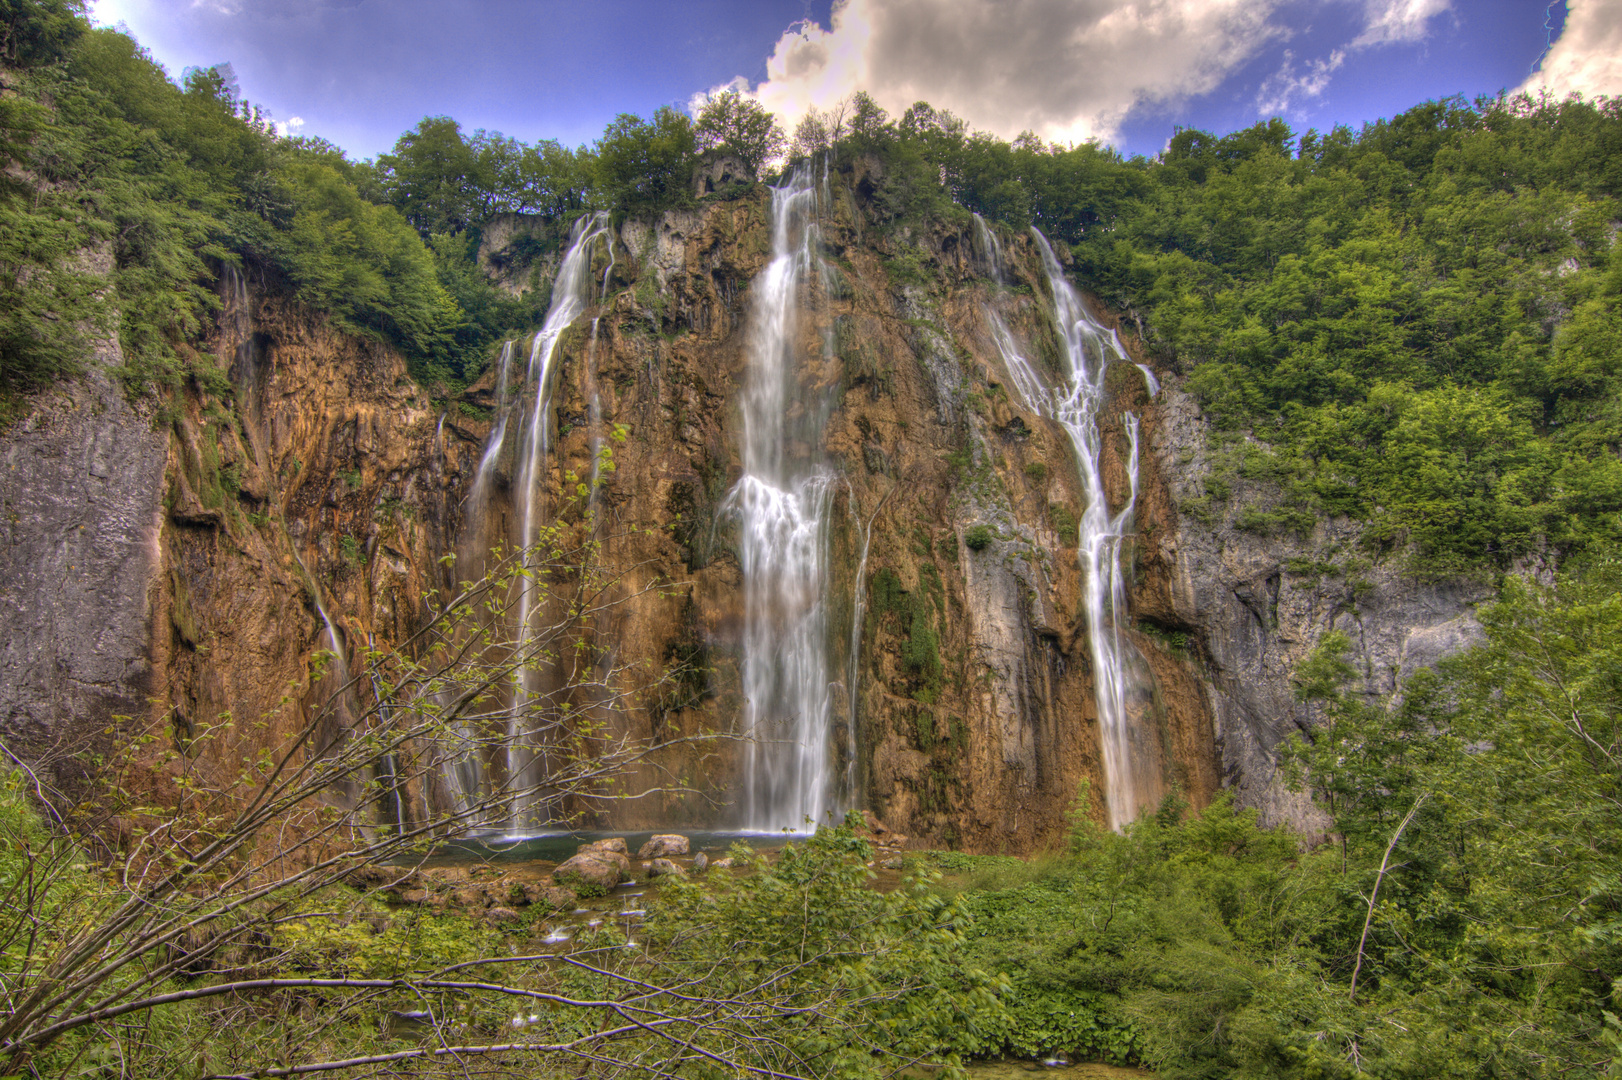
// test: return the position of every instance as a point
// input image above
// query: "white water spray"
(782, 504)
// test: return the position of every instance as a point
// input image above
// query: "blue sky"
(359, 72)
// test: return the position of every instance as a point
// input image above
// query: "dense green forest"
(1415, 325)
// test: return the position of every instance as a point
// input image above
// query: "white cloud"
(1068, 70)
(289, 127)
(1386, 22)
(1287, 86)
(1395, 22)
(1587, 58)
(696, 103)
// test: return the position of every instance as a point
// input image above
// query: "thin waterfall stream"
(1129, 748)
(571, 295)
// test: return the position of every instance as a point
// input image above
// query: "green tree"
(34, 32)
(645, 165)
(435, 178)
(740, 126)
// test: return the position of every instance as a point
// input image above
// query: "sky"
(1125, 72)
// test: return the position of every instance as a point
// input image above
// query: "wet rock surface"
(963, 710)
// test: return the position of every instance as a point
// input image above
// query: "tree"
(645, 165)
(739, 126)
(1495, 785)
(554, 181)
(818, 131)
(432, 177)
(34, 32)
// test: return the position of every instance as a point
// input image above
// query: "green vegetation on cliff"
(1416, 324)
(175, 182)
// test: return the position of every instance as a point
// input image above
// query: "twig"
(1374, 893)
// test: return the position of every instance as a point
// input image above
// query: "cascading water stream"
(782, 503)
(479, 497)
(1087, 349)
(571, 295)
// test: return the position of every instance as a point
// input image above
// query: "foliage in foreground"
(1466, 923)
(798, 968)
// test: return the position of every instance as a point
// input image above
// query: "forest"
(1415, 326)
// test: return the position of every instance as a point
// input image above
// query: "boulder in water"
(663, 846)
(700, 862)
(613, 843)
(665, 868)
(592, 873)
(724, 863)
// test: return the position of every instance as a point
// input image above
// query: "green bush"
(978, 537)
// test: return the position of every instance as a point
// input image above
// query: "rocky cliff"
(176, 567)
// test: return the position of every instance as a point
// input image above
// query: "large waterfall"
(782, 502)
(1130, 750)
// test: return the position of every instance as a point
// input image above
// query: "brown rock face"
(198, 559)
(614, 844)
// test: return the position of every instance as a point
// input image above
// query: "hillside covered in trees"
(1415, 327)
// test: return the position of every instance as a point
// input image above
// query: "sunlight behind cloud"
(1587, 58)
(1067, 70)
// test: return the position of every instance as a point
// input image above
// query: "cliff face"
(81, 480)
(966, 715)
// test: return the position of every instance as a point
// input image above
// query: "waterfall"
(387, 769)
(990, 249)
(526, 418)
(1131, 769)
(570, 295)
(782, 503)
(479, 497)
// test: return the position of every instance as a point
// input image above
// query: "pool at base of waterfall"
(558, 846)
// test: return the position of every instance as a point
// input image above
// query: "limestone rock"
(557, 898)
(613, 843)
(700, 862)
(874, 825)
(665, 868)
(502, 915)
(592, 872)
(662, 846)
